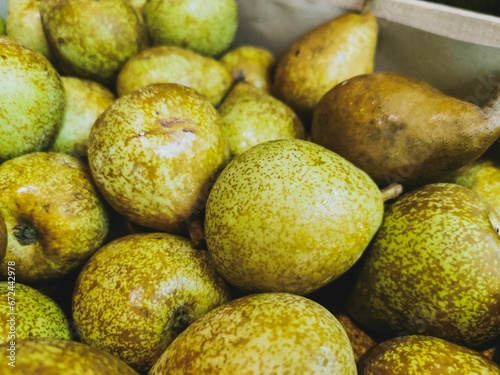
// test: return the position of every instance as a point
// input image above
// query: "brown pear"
(400, 129)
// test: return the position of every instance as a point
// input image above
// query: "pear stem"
(197, 233)
(492, 104)
(391, 191)
(367, 6)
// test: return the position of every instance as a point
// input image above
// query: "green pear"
(85, 102)
(154, 152)
(32, 100)
(252, 116)
(400, 129)
(60, 357)
(424, 355)
(29, 313)
(24, 24)
(2, 26)
(169, 64)
(92, 39)
(137, 293)
(260, 209)
(482, 176)
(325, 56)
(54, 217)
(432, 268)
(250, 64)
(266, 333)
(207, 27)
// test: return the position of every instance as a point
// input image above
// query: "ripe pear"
(169, 64)
(206, 27)
(432, 268)
(424, 355)
(61, 357)
(85, 102)
(92, 39)
(400, 129)
(266, 333)
(483, 176)
(252, 116)
(54, 216)
(260, 209)
(32, 100)
(331, 53)
(250, 64)
(30, 313)
(153, 153)
(24, 24)
(137, 293)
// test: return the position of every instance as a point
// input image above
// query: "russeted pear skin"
(423, 355)
(432, 268)
(331, 53)
(261, 209)
(261, 334)
(400, 129)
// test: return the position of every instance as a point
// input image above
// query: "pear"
(164, 64)
(424, 355)
(85, 102)
(3, 237)
(361, 341)
(92, 39)
(61, 357)
(483, 176)
(400, 129)
(2, 26)
(260, 209)
(206, 27)
(432, 268)
(331, 53)
(30, 313)
(25, 25)
(137, 293)
(154, 153)
(251, 116)
(250, 64)
(266, 333)
(32, 100)
(138, 5)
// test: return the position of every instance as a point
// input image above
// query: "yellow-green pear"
(261, 334)
(424, 355)
(60, 357)
(323, 57)
(251, 64)
(24, 24)
(27, 313)
(207, 27)
(252, 116)
(32, 100)
(138, 292)
(85, 102)
(432, 268)
(260, 211)
(169, 64)
(92, 39)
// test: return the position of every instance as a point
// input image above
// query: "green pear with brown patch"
(61, 357)
(252, 116)
(29, 313)
(424, 355)
(140, 291)
(260, 209)
(432, 268)
(170, 64)
(266, 333)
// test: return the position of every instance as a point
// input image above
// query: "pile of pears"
(174, 203)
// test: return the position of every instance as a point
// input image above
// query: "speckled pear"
(424, 355)
(140, 291)
(291, 216)
(432, 268)
(331, 53)
(37, 314)
(261, 334)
